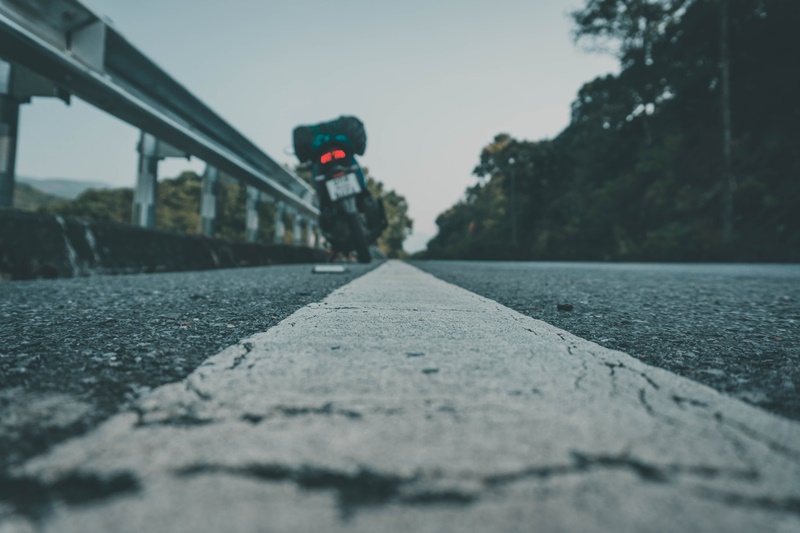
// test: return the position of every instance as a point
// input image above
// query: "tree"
(177, 203)
(636, 174)
(400, 224)
(727, 135)
(104, 205)
(632, 30)
(177, 207)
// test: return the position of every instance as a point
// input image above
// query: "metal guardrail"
(82, 54)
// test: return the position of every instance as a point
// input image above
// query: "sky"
(433, 81)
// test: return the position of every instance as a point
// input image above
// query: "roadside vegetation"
(676, 158)
(29, 198)
(177, 209)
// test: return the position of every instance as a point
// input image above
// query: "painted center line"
(401, 402)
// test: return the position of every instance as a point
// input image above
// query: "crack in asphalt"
(777, 447)
(363, 488)
(583, 463)
(682, 402)
(35, 498)
(248, 347)
(766, 503)
(739, 449)
(651, 410)
(647, 407)
(646, 378)
(581, 375)
(612, 369)
(183, 420)
(612, 373)
(366, 487)
(622, 366)
(191, 386)
(288, 411)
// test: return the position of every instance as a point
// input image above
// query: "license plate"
(347, 185)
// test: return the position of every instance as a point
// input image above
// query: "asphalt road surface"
(74, 351)
(735, 328)
(401, 402)
(404, 403)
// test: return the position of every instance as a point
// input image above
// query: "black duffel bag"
(345, 130)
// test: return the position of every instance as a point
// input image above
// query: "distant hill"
(30, 198)
(63, 188)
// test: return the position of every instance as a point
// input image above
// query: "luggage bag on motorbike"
(347, 130)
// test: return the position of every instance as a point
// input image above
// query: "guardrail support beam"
(311, 234)
(251, 223)
(280, 227)
(144, 196)
(151, 151)
(17, 86)
(208, 201)
(88, 43)
(9, 123)
(297, 231)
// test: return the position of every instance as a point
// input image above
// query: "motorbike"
(351, 219)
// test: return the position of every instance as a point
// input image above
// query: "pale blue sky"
(432, 81)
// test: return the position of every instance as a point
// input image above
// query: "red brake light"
(329, 156)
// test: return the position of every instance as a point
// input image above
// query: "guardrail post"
(151, 151)
(144, 196)
(17, 86)
(311, 234)
(208, 201)
(280, 227)
(297, 231)
(251, 222)
(9, 122)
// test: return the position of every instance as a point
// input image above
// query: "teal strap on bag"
(320, 139)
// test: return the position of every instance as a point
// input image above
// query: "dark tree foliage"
(102, 205)
(29, 198)
(400, 224)
(637, 173)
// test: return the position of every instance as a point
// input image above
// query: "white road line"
(403, 403)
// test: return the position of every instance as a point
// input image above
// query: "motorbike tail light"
(330, 156)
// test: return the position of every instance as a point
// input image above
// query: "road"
(735, 328)
(401, 402)
(74, 351)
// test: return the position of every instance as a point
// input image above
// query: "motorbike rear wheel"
(359, 240)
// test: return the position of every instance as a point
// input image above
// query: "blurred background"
(582, 130)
